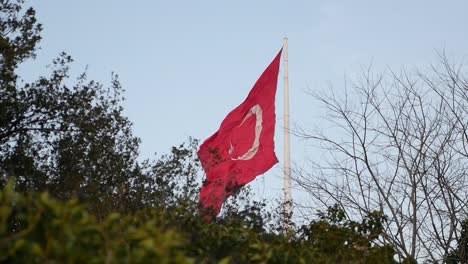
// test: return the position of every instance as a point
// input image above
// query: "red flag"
(243, 147)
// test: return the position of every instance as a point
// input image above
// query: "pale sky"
(186, 64)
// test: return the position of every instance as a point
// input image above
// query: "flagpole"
(287, 149)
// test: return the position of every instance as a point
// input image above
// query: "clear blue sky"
(186, 64)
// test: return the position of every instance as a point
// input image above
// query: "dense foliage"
(35, 228)
(460, 253)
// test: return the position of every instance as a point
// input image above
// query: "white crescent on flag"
(257, 111)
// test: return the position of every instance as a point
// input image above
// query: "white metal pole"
(287, 153)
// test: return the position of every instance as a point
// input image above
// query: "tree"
(341, 240)
(460, 253)
(71, 140)
(396, 143)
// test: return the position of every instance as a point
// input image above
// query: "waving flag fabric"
(243, 147)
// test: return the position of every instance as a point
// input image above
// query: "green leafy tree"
(460, 253)
(72, 140)
(337, 238)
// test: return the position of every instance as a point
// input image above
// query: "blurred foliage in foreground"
(38, 229)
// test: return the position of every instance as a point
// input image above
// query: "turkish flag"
(243, 147)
